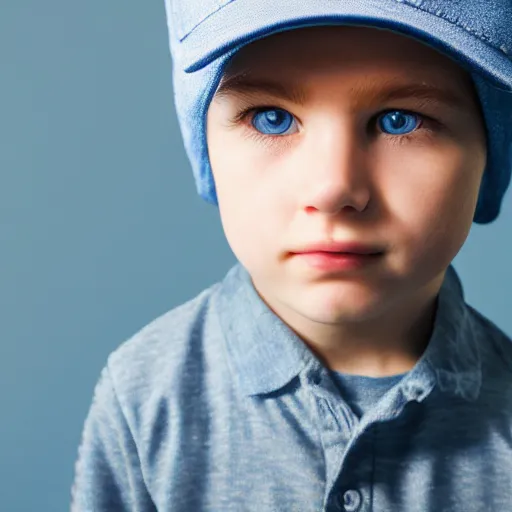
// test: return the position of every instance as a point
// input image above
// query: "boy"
(349, 146)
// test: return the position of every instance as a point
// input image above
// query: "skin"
(337, 175)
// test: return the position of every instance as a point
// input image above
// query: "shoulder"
(495, 346)
(156, 359)
(166, 333)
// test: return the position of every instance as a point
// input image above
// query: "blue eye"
(398, 122)
(272, 121)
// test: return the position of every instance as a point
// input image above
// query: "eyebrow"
(242, 85)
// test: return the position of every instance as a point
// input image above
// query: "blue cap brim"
(243, 21)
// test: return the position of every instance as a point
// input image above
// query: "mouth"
(340, 248)
(338, 256)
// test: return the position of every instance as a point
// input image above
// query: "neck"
(388, 344)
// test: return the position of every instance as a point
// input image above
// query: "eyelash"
(269, 140)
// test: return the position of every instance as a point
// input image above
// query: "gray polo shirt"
(216, 406)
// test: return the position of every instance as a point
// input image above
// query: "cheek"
(250, 195)
(433, 198)
(252, 231)
(251, 213)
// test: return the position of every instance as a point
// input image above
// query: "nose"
(334, 171)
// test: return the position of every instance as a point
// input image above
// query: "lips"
(339, 258)
(351, 247)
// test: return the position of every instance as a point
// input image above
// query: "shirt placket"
(348, 449)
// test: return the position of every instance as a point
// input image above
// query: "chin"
(336, 307)
(340, 315)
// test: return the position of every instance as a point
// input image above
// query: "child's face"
(332, 164)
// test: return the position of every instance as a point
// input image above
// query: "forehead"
(338, 47)
(289, 63)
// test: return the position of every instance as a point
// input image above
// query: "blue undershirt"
(360, 392)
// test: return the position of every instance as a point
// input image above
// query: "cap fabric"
(205, 34)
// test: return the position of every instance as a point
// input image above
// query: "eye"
(272, 121)
(398, 122)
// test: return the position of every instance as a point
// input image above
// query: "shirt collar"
(264, 354)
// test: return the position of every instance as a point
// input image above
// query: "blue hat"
(205, 34)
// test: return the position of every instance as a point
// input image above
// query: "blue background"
(101, 229)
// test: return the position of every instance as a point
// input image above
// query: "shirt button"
(351, 500)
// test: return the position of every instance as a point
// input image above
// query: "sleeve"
(108, 476)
